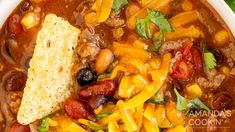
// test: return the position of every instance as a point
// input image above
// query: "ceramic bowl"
(7, 6)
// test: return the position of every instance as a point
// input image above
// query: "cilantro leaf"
(197, 104)
(158, 102)
(118, 4)
(158, 98)
(96, 128)
(183, 103)
(44, 126)
(143, 27)
(158, 19)
(158, 41)
(102, 115)
(209, 59)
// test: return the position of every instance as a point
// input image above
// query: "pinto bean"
(76, 109)
(14, 27)
(17, 127)
(97, 101)
(103, 60)
(105, 88)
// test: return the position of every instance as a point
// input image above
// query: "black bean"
(86, 76)
(218, 56)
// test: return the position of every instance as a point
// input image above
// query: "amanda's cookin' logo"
(202, 119)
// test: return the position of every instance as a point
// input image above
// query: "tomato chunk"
(190, 63)
(197, 59)
(17, 127)
(14, 27)
(182, 70)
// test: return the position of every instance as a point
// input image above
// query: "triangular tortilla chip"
(49, 77)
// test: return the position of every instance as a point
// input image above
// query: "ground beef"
(229, 54)
(88, 51)
(89, 45)
(174, 45)
(213, 79)
(232, 72)
(1, 117)
(115, 20)
(176, 58)
(1, 66)
(14, 100)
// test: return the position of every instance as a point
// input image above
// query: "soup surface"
(140, 65)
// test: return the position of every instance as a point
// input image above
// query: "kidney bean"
(76, 109)
(16, 81)
(17, 127)
(14, 27)
(222, 101)
(96, 101)
(105, 88)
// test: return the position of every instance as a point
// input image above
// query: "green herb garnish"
(209, 58)
(96, 128)
(158, 19)
(119, 4)
(158, 98)
(102, 115)
(44, 126)
(183, 103)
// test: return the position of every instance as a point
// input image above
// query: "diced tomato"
(191, 62)
(182, 70)
(17, 127)
(14, 26)
(197, 59)
(186, 51)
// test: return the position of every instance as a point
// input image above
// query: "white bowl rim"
(7, 6)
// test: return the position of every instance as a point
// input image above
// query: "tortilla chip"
(49, 77)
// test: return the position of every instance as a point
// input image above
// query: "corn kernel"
(225, 70)
(221, 38)
(194, 91)
(30, 20)
(52, 122)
